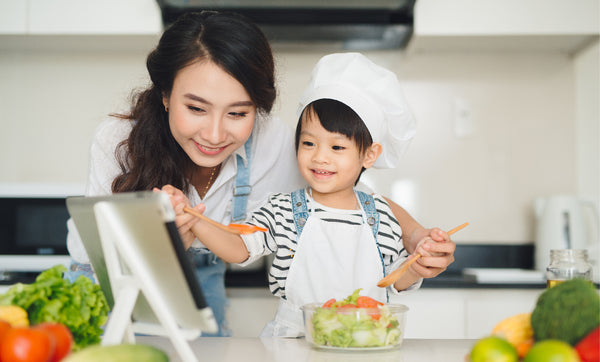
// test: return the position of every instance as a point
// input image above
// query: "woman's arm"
(408, 224)
(434, 245)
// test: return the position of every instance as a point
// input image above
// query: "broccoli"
(567, 311)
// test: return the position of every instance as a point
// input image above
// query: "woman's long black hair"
(151, 157)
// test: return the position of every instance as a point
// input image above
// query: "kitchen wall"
(495, 129)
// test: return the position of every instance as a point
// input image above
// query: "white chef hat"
(373, 92)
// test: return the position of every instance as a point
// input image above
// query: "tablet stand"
(128, 277)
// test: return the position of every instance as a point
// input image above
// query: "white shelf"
(80, 17)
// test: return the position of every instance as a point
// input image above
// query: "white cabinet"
(488, 307)
(462, 313)
(80, 17)
(434, 313)
(523, 25)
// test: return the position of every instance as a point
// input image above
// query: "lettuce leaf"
(81, 305)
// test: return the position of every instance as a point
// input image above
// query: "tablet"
(148, 221)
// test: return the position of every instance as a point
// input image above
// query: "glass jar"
(566, 264)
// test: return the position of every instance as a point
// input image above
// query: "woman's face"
(210, 113)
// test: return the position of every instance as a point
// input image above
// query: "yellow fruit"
(552, 350)
(493, 349)
(517, 331)
(15, 315)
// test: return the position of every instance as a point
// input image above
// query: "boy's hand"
(437, 252)
(183, 220)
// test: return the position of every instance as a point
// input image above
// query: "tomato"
(4, 327)
(367, 302)
(346, 306)
(26, 345)
(328, 303)
(588, 348)
(63, 337)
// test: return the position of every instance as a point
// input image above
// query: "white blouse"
(272, 169)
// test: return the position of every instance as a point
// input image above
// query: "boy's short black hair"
(337, 117)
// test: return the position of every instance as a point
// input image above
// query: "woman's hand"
(183, 220)
(436, 249)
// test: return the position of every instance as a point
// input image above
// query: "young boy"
(329, 238)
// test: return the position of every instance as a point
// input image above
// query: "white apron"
(331, 261)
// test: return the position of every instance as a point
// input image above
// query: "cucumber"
(118, 353)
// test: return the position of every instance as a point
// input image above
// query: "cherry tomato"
(367, 302)
(26, 345)
(328, 303)
(63, 337)
(375, 316)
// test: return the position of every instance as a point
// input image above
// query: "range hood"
(354, 24)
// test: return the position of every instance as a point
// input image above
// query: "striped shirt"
(281, 238)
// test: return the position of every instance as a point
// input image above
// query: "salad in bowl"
(356, 322)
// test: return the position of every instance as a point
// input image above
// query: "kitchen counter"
(461, 281)
(224, 349)
(448, 279)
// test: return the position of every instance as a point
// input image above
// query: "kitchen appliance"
(33, 228)
(565, 222)
(355, 24)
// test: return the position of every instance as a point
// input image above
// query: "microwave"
(33, 226)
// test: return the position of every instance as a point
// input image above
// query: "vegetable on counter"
(567, 312)
(62, 336)
(27, 345)
(80, 306)
(118, 353)
(588, 348)
(564, 326)
(14, 315)
(357, 327)
(517, 331)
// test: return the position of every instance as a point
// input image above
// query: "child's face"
(329, 162)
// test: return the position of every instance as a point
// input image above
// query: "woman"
(203, 127)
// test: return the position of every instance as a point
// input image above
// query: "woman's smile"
(210, 151)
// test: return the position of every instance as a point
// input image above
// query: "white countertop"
(295, 350)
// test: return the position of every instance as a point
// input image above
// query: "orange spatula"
(238, 229)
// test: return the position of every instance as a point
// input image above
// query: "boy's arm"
(407, 279)
(227, 246)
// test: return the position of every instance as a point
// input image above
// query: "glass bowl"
(355, 328)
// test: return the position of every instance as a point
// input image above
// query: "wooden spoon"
(238, 229)
(395, 275)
